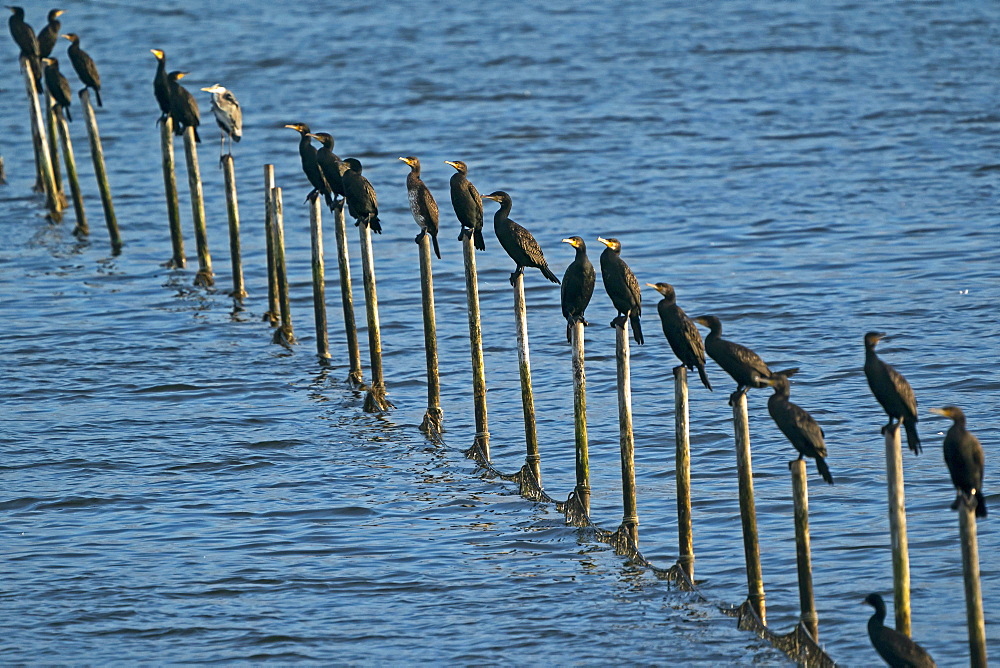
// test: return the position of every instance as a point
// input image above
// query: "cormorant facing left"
(84, 66)
(895, 648)
(49, 35)
(161, 85)
(228, 115)
(577, 286)
(422, 204)
(964, 456)
(58, 86)
(310, 165)
(517, 241)
(362, 203)
(681, 333)
(892, 392)
(24, 36)
(623, 288)
(183, 106)
(796, 424)
(468, 204)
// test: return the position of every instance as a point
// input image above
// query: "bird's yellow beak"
(604, 241)
(157, 53)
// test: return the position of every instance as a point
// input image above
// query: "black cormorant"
(58, 86)
(362, 203)
(892, 391)
(681, 333)
(577, 286)
(84, 65)
(183, 106)
(422, 204)
(330, 164)
(744, 365)
(964, 456)
(517, 241)
(310, 165)
(468, 204)
(49, 35)
(24, 36)
(895, 648)
(623, 288)
(796, 424)
(228, 115)
(161, 85)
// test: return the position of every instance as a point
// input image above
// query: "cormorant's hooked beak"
(158, 53)
(407, 161)
(495, 198)
(940, 411)
(452, 163)
(656, 287)
(605, 242)
(295, 126)
(309, 134)
(48, 61)
(59, 12)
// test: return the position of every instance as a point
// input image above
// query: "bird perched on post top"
(468, 204)
(183, 106)
(24, 36)
(895, 648)
(228, 115)
(681, 332)
(892, 392)
(623, 288)
(797, 425)
(422, 204)
(58, 86)
(577, 286)
(49, 35)
(963, 453)
(84, 65)
(362, 203)
(516, 240)
(330, 165)
(310, 165)
(161, 85)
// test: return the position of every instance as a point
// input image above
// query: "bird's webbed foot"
(619, 321)
(959, 498)
(420, 236)
(517, 272)
(464, 233)
(311, 197)
(740, 391)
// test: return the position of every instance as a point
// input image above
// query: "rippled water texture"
(177, 489)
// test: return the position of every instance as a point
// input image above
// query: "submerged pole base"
(355, 381)
(204, 279)
(433, 424)
(283, 336)
(375, 401)
(480, 450)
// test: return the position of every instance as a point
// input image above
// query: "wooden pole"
(273, 313)
(354, 378)
(101, 172)
(432, 424)
(81, 228)
(177, 259)
(42, 156)
(803, 558)
(533, 460)
(482, 439)
(682, 464)
(375, 400)
(580, 417)
(630, 519)
(973, 590)
(53, 136)
(897, 529)
(748, 509)
(204, 277)
(233, 210)
(318, 279)
(284, 334)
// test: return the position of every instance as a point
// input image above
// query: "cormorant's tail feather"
(97, 94)
(569, 330)
(911, 436)
(197, 139)
(478, 240)
(704, 377)
(329, 201)
(437, 249)
(824, 470)
(980, 504)
(547, 273)
(374, 223)
(636, 329)
(178, 129)
(69, 117)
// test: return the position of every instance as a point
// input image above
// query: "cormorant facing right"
(84, 65)
(49, 35)
(964, 456)
(58, 86)
(330, 164)
(517, 241)
(623, 288)
(744, 365)
(183, 106)
(422, 204)
(468, 204)
(362, 203)
(681, 333)
(161, 85)
(24, 35)
(577, 286)
(310, 165)
(895, 648)
(228, 115)
(796, 424)
(892, 391)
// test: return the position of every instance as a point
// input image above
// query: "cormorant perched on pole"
(744, 365)
(964, 456)
(49, 35)
(623, 288)
(468, 204)
(577, 286)
(84, 66)
(161, 85)
(892, 392)
(228, 115)
(681, 333)
(310, 165)
(895, 648)
(517, 241)
(422, 204)
(330, 164)
(183, 106)
(24, 35)
(796, 424)
(362, 203)
(58, 86)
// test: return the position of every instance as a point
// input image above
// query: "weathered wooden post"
(432, 424)
(748, 509)
(42, 156)
(897, 529)
(481, 443)
(803, 558)
(273, 313)
(204, 277)
(177, 259)
(682, 464)
(973, 587)
(81, 228)
(53, 144)
(318, 278)
(630, 519)
(354, 378)
(101, 172)
(375, 400)
(533, 459)
(284, 334)
(580, 417)
(233, 211)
